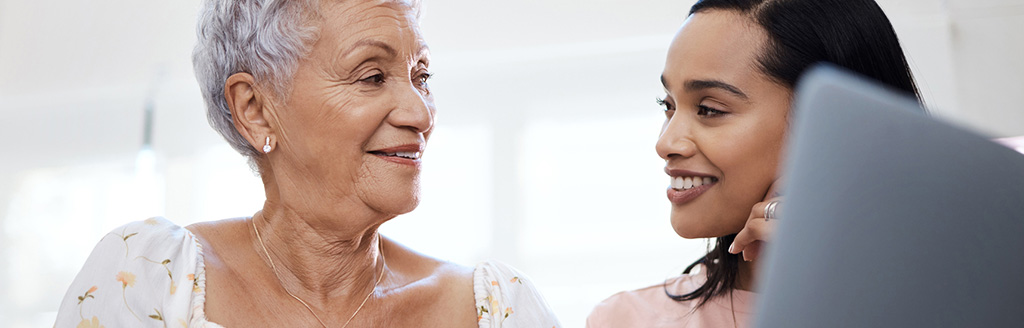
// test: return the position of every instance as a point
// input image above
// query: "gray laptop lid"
(891, 218)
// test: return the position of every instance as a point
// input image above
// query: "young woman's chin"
(690, 225)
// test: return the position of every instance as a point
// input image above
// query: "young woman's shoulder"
(633, 308)
(652, 306)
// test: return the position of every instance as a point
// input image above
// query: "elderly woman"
(330, 102)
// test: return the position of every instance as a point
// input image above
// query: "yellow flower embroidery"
(195, 283)
(158, 316)
(86, 323)
(127, 279)
(124, 238)
(493, 307)
(151, 221)
(88, 294)
(164, 263)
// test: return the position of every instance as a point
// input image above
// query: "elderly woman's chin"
(397, 198)
(400, 200)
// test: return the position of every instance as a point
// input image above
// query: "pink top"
(650, 307)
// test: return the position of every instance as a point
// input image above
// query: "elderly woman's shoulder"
(154, 262)
(214, 232)
(150, 232)
(497, 294)
(439, 286)
(506, 297)
(417, 264)
(220, 240)
(218, 226)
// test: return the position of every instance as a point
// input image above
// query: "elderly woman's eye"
(423, 78)
(375, 79)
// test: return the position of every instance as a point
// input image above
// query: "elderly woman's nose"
(676, 140)
(412, 110)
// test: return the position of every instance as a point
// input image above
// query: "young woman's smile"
(725, 122)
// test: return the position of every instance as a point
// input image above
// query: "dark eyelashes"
(702, 110)
(375, 78)
(425, 77)
(379, 78)
(661, 102)
(708, 111)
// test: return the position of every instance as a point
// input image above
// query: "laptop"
(892, 218)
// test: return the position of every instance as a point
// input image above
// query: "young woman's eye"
(667, 106)
(375, 79)
(706, 111)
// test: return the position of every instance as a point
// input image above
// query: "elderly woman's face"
(359, 113)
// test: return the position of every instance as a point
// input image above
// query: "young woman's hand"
(758, 230)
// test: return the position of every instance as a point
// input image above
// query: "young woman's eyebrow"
(697, 85)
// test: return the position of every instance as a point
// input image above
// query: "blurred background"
(543, 155)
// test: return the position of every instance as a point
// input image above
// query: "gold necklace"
(273, 268)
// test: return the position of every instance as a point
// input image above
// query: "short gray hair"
(264, 38)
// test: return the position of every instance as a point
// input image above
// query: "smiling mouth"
(687, 183)
(413, 155)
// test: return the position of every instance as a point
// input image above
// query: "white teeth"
(408, 154)
(686, 183)
(405, 154)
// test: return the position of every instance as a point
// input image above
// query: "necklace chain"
(279, 281)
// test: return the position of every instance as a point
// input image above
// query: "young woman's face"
(724, 124)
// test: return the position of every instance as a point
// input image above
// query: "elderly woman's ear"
(248, 109)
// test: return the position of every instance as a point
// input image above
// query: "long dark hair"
(854, 34)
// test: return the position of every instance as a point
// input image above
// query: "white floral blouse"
(150, 274)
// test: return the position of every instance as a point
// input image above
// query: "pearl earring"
(266, 148)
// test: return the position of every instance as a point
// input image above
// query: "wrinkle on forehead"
(341, 21)
(408, 8)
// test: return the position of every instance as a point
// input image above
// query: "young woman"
(729, 79)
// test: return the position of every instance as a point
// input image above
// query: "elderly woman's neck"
(314, 259)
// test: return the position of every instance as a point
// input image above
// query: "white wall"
(543, 155)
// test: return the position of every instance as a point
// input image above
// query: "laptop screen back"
(892, 218)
